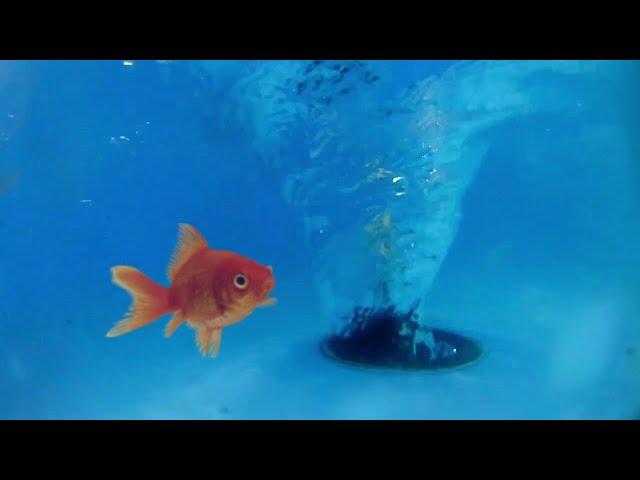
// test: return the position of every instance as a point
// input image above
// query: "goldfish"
(209, 290)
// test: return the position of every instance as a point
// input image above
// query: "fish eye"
(240, 281)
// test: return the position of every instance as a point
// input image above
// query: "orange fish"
(210, 290)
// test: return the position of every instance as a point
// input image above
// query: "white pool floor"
(573, 374)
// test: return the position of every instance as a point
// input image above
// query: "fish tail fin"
(150, 300)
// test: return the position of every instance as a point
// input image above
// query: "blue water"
(528, 242)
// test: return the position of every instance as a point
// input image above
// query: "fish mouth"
(268, 287)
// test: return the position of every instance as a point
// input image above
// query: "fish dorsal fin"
(189, 242)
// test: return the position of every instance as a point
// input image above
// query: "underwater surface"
(497, 200)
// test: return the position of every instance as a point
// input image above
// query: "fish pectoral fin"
(217, 322)
(177, 320)
(208, 340)
(216, 339)
(203, 337)
(269, 302)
